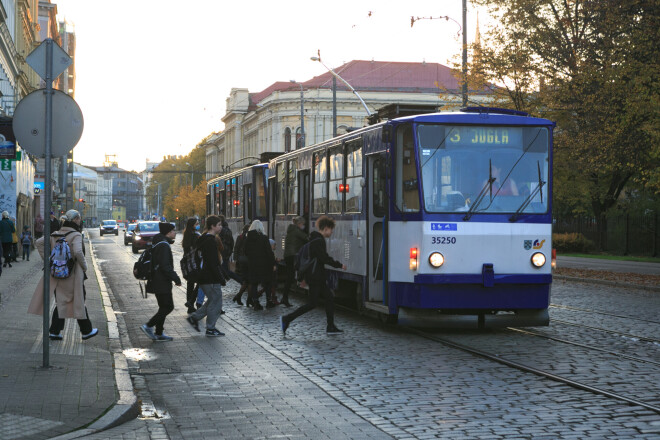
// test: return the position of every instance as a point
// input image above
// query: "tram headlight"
(436, 259)
(538, 259)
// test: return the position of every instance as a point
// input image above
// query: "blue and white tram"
(241, 196)
(442, 219)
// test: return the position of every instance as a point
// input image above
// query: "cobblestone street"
(377, 381)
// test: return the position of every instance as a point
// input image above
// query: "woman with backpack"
(241, 264)
(68, 267)
(261, 261)
(190, 236)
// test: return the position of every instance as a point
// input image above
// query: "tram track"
(528, 369)
(598, 312)
(614, 332)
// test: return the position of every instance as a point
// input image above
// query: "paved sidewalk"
(79, 389)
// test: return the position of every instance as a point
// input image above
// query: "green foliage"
(572, 242)
(592, 66)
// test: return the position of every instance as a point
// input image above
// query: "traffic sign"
(5, 164)
(29, 123)
(37, 60)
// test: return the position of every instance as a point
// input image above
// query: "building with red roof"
(269, 120)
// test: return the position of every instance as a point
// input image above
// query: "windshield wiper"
(482, 193)
(528, 199)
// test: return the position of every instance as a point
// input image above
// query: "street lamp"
(302, 114)
(336, 75)
(192, 188)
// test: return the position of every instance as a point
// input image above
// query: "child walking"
(26, 241)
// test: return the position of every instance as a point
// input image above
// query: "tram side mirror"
(386, 136)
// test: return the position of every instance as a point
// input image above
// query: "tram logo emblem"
(538, 244)
(529, 244)
(444, 227)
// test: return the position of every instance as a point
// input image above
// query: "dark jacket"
(211, 272)
(318, 250)
(193, 242)
(227, 241)
(239, 251)
(295, 239)
(261, 259)
(6, 230)
(163, 264)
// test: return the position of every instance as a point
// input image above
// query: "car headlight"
(538, 259)
(436, 259)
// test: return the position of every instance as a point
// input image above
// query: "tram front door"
(376, 243)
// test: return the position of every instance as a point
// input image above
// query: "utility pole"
(465, 88)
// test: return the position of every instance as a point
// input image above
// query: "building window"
(287, 140)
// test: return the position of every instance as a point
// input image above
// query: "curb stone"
(127, 406)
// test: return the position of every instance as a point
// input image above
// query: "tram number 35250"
(443, 240)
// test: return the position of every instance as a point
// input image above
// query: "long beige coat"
(70, 298)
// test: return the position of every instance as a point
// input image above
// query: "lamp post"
(302, 114)
(336, 75)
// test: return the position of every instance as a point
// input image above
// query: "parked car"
(108, 227)
(128, 233)
(143, 234)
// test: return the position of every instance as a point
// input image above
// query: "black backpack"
(192, 264)
(304, 264)
(143, 269)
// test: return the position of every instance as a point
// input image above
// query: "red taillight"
(553, 262)
(413, 258)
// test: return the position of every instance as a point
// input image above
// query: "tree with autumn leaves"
(591, 66)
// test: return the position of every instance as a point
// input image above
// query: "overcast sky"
(152, 76)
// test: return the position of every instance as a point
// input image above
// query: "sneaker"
(149, 331)
(333, 331)
(192, 321)
(284, 323)
(91, 334)
(163, 338)
(57, 337)
(213, 332)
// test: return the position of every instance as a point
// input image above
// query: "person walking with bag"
(241, 264)
(190, 236)
(211, 278)
(295, 239)
(316, 278)
(161, 280)
(69, 292)
(261, 261)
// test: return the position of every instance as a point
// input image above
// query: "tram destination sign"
(466, 136)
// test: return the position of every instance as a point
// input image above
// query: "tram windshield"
(484, 169)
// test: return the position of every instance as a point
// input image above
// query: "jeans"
(315, 291)
(212, 307)
(26, 251)
(165, 307)
(232, 275)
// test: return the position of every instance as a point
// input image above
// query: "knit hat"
(72, 214)
(5, 214)
(165, 227)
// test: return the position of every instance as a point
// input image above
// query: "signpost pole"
(48, 202)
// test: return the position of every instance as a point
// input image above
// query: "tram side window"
(260, 194)
(319, 200)
(220, 203)
(353, 176)
(407, 188)
(281, 188)
(293, 188)
(336, 167)
(239, 197)
(229, 200)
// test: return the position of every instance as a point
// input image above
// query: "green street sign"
(5, 164)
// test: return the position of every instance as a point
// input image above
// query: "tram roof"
(236, 172)
(485, 116)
